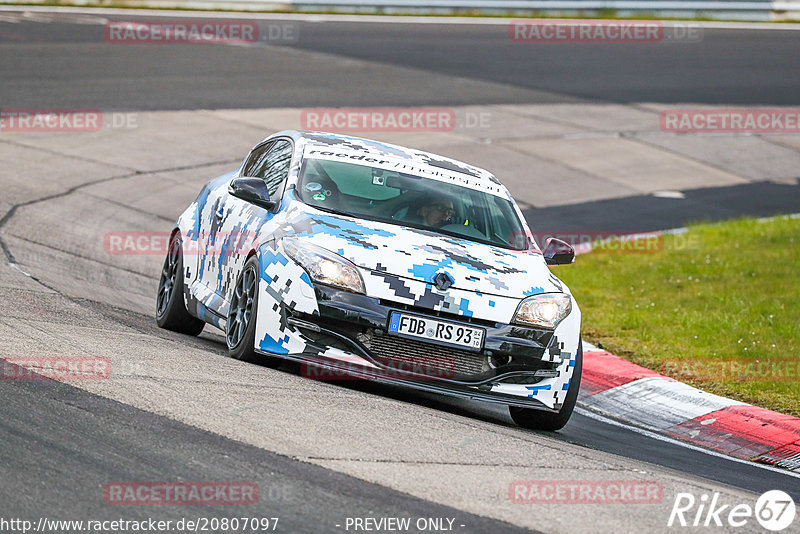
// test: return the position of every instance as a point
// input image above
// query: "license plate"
(425, 328)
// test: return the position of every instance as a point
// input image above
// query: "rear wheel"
(541, 420)
(171, 311)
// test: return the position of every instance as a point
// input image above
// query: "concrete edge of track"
(210, 9)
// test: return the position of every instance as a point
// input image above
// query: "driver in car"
(436, 212)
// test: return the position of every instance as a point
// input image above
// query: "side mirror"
(558, 252)
(253, 190)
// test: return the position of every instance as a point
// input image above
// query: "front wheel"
(540, 420)
(171, 311)
(240, 328)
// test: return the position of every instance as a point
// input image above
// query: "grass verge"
(717, 307)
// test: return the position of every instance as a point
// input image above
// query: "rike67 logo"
(774, 511)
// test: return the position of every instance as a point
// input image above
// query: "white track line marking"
(311, 17)
(659, 437)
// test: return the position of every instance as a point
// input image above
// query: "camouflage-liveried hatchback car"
(381, 262)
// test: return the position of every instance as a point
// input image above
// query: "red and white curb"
(643, 398)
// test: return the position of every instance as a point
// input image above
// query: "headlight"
(324, 266)
(547, 310)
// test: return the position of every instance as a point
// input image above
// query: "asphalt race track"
(410, 64)
(175, 408)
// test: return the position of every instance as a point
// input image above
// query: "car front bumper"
(346, 337)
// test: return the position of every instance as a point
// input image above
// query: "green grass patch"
(717, 307)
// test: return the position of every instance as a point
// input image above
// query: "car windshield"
(408, 200)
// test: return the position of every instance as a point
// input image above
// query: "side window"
(277, 163)
(256, 160)
(271, 162)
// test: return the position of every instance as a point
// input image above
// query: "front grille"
(426, 358)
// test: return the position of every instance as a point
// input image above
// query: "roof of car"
(379, 148)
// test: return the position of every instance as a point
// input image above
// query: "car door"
(210, 228)
(243, 221)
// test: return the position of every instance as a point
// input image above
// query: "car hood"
(421, 255)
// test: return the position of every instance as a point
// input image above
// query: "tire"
(171, 311)
(541, 420)
(240, 328)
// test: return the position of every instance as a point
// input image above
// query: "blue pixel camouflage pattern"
(397, 264)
